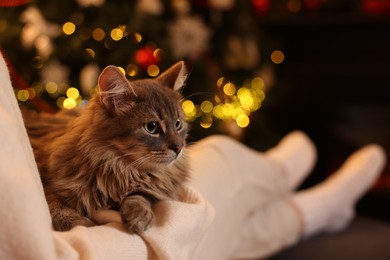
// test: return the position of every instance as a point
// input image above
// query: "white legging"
(249, 193)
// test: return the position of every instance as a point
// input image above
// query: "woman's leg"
(327, 207)
(237, 181)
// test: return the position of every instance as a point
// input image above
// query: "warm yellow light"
(260, 95)
(229, 89)
(69, 103)
(122, 70)
(189, 109)
(138, 37)
(116, 34)
(238, 111)
(258, 83)
(132, 70)
(218, 111)
(206, 122)
(206, 106)
(98, 34)
(51, 87)
(153, 70)
(68, 28)
(228, 110)
(73, 93)
(23, 95)
(220, 82)
(242, 121)
(277, 57)
(90, 52)
(60, 102)
(31, 93)
(38, 88)
(245, 97)
(157, 53)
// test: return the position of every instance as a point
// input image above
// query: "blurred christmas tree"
(58, 48)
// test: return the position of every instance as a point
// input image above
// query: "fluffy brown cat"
(123, 151)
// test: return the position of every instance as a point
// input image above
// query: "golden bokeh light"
(138, 37)
(206, 122)
(242, 121)
(73, 93)
(69, 28)
(116, 34)
(132, 70)
(90, 52)
(206, 106)
(189, 110)
(220, 81)
(98, 34)
(122, 70)
(277, 56)
(23, 95)
(69, 103)
(51, 87)
(60, 102)
(229, 89)
(153, 70)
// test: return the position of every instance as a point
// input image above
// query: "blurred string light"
(233, 103)
(69, 28)
(69, 97)
(237, 103)
(277, 56)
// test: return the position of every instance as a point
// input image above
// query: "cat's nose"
(177, 148)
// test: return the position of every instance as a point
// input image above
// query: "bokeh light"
(98, 34)
(153, 70)
(277, 56)
(69, 28)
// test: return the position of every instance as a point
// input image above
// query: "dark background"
(335, 86)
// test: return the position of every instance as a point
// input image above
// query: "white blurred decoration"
(222, 4)
(189, 37)
(88, 3)
(88, 78)
(181, 6)
(37, 32)
(54, 71)
(153, 7)
(242, 53)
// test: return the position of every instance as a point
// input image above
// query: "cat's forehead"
(153, 96)
(155, 90)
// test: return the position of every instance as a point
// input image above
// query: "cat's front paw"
(136, 213)
(68, 222)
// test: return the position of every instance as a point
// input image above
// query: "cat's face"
(143, 119)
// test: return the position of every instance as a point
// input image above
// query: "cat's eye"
(151, 127)
(179, 124)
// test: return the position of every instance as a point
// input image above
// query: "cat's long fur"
(105, 157)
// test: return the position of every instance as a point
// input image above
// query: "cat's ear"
(113, 88)
(174, 77)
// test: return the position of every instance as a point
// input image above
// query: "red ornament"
(13, 2)
(201, 3)
(146, 56)
(313, 5)
(377, 7)
(261, 6)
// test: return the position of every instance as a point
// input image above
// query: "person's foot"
(296, 153)
(329, 206)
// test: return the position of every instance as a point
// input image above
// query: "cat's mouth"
(165, 158)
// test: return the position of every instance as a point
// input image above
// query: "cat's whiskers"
(140, 161)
